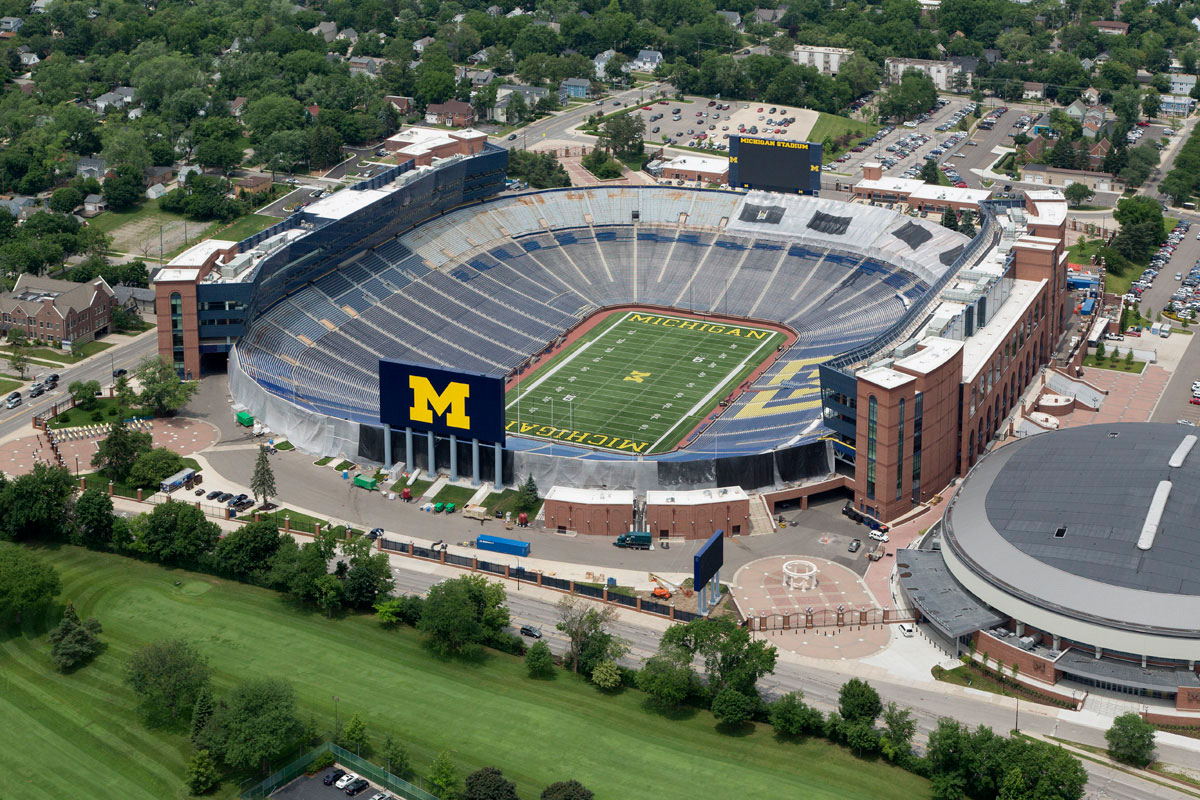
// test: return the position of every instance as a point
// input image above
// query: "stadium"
(727, 299)
(1073, 554)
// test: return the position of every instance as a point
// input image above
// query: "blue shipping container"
(1089, 306)
(498, 544)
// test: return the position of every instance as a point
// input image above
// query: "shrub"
(64, 417)
(607, 675)
(112, 411)
(323, 761)
(97, 416)
(539, 661)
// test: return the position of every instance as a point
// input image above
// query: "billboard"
(469, 405)
(774, 165)
(708, 560)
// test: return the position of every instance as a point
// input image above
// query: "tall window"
(872, 418)
(900, 456)
(177, 331)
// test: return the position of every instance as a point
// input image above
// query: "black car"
(333, 777)
(375, 534)
(357, 786)
(531, 632)
(238, 498)
(37, 391)
(214, 494)
(119, 372)
(225, 497)
(52, 378)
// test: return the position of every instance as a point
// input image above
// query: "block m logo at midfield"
(445, 402)
(450, 403)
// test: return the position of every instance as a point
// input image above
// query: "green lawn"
(61, 356)
(417, 489)
(79, 735)
(833, 126)
(507, 501)
(77, 416)
(459, 495)
(109, 221)
(7, 385)
(245, 226)
(638, 382)
(1118, 366)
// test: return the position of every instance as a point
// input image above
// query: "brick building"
(598, 512)
(60, 312)
(425, 144)
(454, 113)
(698, 513)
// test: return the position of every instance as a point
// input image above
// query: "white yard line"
(715, 390)
(561, 364)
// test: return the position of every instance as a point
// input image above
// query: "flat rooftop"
(981, 345)
(696, 497)
(698, 163)
(345, 202)
(936, 351)
(884, 377)
(599, 497)
(199, 253)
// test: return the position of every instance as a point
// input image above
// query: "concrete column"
(499, 468)
(387, 446)
(432, 456)
(1057, 642)
(1099, 652)
(453, 457)
(475, 462)
(1143, 662)
(408, 449)
(1020, 628)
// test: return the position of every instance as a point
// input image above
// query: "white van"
(906, 629)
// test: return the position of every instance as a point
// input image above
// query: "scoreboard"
(774, 165)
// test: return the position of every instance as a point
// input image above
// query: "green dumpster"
(365, 482)
(245, 419)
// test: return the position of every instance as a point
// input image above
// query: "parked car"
(878, 536)
(357, 787)
(13, 400)
(37, 391)
(214, 494)
(375, 534)
(346, 780)
(225, 497)
(855, 544)
(334, 776)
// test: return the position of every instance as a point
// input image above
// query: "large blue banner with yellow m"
(469, 405)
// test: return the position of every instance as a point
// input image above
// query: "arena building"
(1073, 554)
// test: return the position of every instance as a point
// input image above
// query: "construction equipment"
(668, 587)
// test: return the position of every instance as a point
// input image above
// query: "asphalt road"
(98, 368)
(820, 686)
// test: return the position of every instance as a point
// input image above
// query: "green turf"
(77, 735)
(459, 495)
(246, 226)
(636, 385)
(76, 417)
(833, 126)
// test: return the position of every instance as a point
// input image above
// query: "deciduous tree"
(488, 783)
(668, 676)
(249, 550)
(858, 701)
(1131, 740)
(176, 533)
(94, 518)
(539, 662)
(732, 708)
(567, 790)
(443, 776)
(162, 390)
(167, 676)
(258, 721)
(117, 452)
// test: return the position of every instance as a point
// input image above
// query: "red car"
(663, 103)
(712, 103)
(647, 108)
(1133, 332)
(1194, 401)
(759, 110)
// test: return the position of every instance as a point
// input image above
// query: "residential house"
(402, 104)
(94, 204)
(1176, 105)
(733, 18)
(768, 16)
(365, 65)
(153, 175)
(647, 61)
(1090, 96)
(29, 59)
(454, 113)
(236, 106)
(1095, 123)
(942, 73)
(11, 24)
(929, 6)
(991, 55)
(575, 89)
(348, 34)
(40, 6)
(1181, 83)
(420, 44)
(1196, 23)
(601, 62)
(457, 18)
(1097, 153)
(516, 12)
(967, 65)
(1111, 27)
(1033, 91)
(88, 167)
(1034, 147)
(826, 59)
(478, 57)
(17, 203)
(327, 30)
(252, 184)
(134, 298)
(185, 171)
(108, 101)
(494, 11)
(481, 77)
(46, 309)
(1087, 64)
(1041, 125)
(312, 112)
(504, 95)
(156, 191)
(1076, 110)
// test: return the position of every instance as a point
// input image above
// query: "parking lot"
(926, 127)
(306, 788)
(709, 123)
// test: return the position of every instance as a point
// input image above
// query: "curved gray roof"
(1055, 519)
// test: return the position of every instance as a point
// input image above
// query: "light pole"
(335, 716)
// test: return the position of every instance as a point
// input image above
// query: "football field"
(638, 382)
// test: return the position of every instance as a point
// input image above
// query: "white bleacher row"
(508, 297)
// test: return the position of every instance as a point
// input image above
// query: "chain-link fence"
(372, 772)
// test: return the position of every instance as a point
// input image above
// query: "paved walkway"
(1131, 398)
(185, 436)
